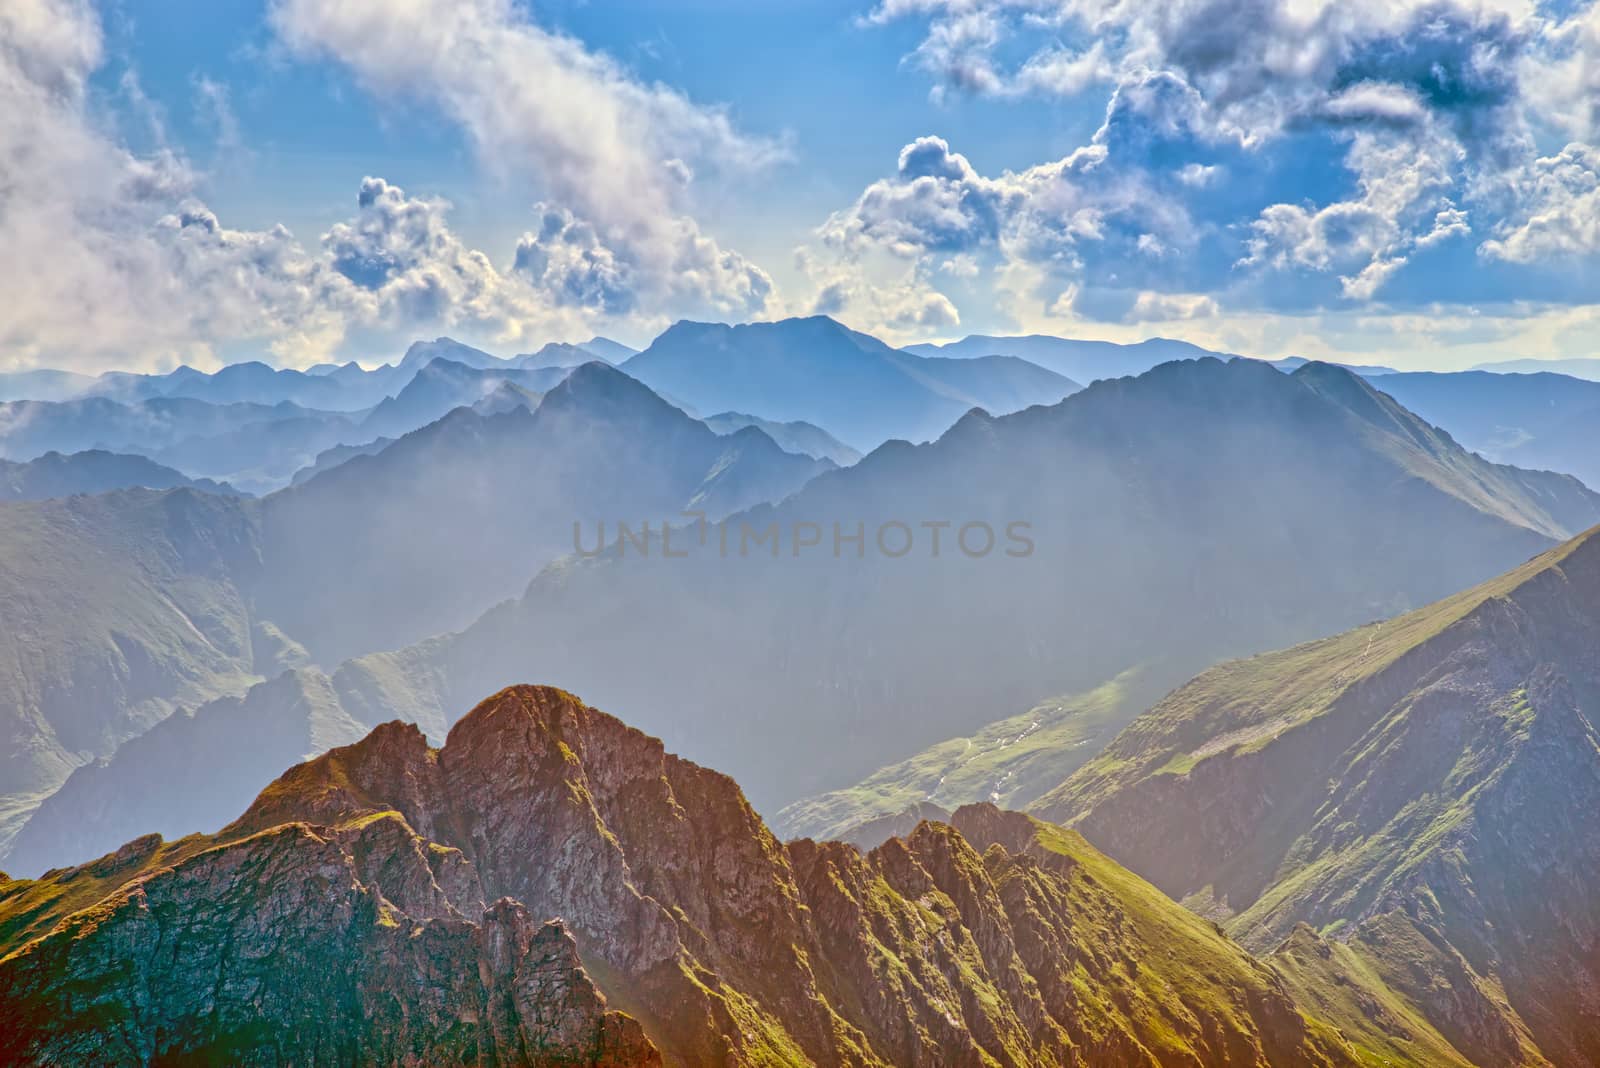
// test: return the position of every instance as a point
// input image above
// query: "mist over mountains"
(1203, 510)
(888, 590)
(136, 585)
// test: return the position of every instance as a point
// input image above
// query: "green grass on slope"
(1337, 982)
(1244, 704)
(30, 908)
(1009, 762)
(1366, 865)
(1186, 962)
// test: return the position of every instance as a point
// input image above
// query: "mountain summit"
(553, 888)
(851, 384)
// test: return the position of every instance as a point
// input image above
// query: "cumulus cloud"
(1102, 211)
(899, 304)
(619, 153)
(113, 258)
(1560, 209)
(110, 256)
(1171, 307)
(1400, 204)
(404, 266)
(1431, 105)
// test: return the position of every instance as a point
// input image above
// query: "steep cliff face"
(345, 910)
(1421, 791)
(307, 946)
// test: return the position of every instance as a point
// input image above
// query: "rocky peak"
(488, 902)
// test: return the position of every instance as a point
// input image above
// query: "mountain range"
(1203, 510)
(851, 384)
(552, 887)
(92, 471)
(796, 436)
(1540, 421)
(1588, 368)
(345, 387)
(443, 385)
(1311, 648)
(511, 485)
(1075, 358)
(131, 605)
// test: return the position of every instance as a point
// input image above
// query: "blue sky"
(1401, 183)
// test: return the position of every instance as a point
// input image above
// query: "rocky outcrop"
(399, 902)
(308, 946)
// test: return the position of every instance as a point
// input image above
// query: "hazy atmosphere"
(645, 534)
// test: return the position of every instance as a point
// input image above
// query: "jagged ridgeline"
(552, 888)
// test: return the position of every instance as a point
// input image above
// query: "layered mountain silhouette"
(797, 436)
(1413, 798)
(1202, 510)
(1540, 421)
(552, 887)
(250, 423)
(442, 385)
(850, 384)
(1578, 368)
(92, 471)
(131, 605)
(151, 428)
(249, 382)
(435, 528)
(1205, 509)
(328, 459)
(1077, 359)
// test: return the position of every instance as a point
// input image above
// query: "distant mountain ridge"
(851, 384)
(442, 385)
(1538, 421)
(599, 446)
(1588, 368)
(92, 471)
(1206, 509)
(797, 436)
(1080, 360)
(129, 606)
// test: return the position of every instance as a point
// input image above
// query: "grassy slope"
(1244, 704)
(1009, 762)
(1186, 959)
(1339, 982)
(1423, 758)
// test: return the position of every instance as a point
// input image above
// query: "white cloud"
(1400, 204)
(114, 259)
(615, 151)
(404, 267)
(1560, 209)
(1027, 232)
(1171, 307)
(101, 266)
(1434, 102)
